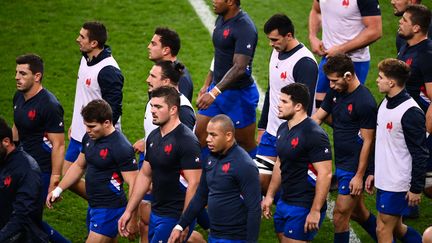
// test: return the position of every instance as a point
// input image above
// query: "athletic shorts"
(160, 228)
(73, 150)
(291, 219)
(392, 203)
(267, 145)
(239, 104)
(344, 178)
(104, 220)
(323, 83)
(212, 239)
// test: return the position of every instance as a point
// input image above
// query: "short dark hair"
(97, 111)
(5, 130)
(339, 64)
(299, 94)
(281, 22)
(169, 38)
(225, 122)
(96, 31)
(171, 70)
(237, 3)
(170, 94)
(395, 69)
(34, 61)
(420, 15)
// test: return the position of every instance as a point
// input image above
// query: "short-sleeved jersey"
(418, 57)
(342, 22)
(106, 158)
(168, 156)
(298, 148)
(33, 119)
(236, 35)
(350, 113)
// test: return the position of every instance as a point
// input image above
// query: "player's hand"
(333, 51)
(202, 91)
(175, 236)
(139, 146)
(53, 196)
(414, 199)
(356, 185)
(317, 46)
(133, 229)
(123, 223)
(369, 184)
(204, 101)
(266, 207)
(312, 221)
(54, 182)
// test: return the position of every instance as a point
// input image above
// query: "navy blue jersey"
(106, 158)
(230, 186)
(350, 112)
(21, 202)
(168, 156)
(236, 35)
(186, 85)
(298, 148)
(34, 118)
(418, 57)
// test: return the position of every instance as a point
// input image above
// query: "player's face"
(383, 83)
(220, 7)
(84, 42)
(96, 130)
(216, 138)
(286, 107)
(405, 30)
(154, 80)
(160, 111)
(338, 84)
(155, 49)
(24, 77)
(277, 41)
(399, 6)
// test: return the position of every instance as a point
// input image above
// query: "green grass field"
(50, 28)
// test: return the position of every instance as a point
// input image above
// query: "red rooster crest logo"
(283, 75)
(103, 153)
(31, 114)
(168, 149)
(345, 3)
(225, 167)
(350, 108)
(226, 33)
(389, 126)
(88, 82)
(294, 142)
(409, 61)
(7, 181)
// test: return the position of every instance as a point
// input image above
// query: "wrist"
(214, 92)
(57, 191)
(178, 227)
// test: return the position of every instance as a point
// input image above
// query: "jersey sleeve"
(327, 104)
(110, 81)
(125, 158)
(369, 8)
(187, 116)
(186, 85)
(306, 72)
(246, 39)
(320, 149)
(426, 65)
(190, 154)
(367, 112)
(54, 114)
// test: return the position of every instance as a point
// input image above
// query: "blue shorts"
(392, 203)
(239, 104)
(323, 83)
(267, 145)
(73, 150)
(104, 220)
(160, 228)
(219, 240)
(290, 220)
(344, 178)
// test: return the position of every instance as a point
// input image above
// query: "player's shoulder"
(183, 133)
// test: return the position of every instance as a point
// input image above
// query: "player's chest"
(99, 155)
(29, 115)
(220, 174)
(164, 154)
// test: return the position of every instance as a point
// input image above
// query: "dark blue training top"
(168, 156)
(21, 202)
(236, 35)
(106, 158)
(34, 118)
(414, 133)
(350, 112)
(185, 85)
(298, 148)
(230, 186)
(418, 57)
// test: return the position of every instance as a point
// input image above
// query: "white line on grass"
(208, 18)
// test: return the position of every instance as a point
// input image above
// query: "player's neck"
(353, 86)
(231, 13)
(292, 44)
(394, 91)
(168, 58)
(32, 92)
(169, 126)
(109, 130)
(297, 118)
(93, 53)
(416, 39)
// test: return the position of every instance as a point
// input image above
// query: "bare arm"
(428, 87)
(193, 179)
(320, 116)
(57, 156)
(314, 27)
(356, 184)
(15, 135)
(272, 189)
(129, 177)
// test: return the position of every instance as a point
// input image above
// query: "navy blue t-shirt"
(168, 156)
(418, 57)
(350, 112)
(298, 148)
(236, 35)
(106, 158)
(33, 119)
